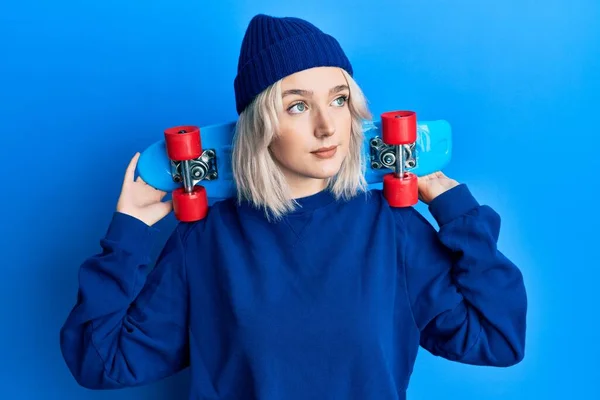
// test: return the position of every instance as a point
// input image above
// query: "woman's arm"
(468, 299)
(127, 327)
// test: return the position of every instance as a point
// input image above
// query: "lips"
(325, 152)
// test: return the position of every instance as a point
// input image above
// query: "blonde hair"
(257, 176)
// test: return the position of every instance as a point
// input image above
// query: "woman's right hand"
(140, 200)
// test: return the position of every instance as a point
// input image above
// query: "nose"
(324, 124)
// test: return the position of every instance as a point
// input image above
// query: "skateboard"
(194, 164)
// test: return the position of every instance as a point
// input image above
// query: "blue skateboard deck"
(430, 153)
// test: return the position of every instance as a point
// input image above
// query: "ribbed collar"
(304, 204)
(314, 201)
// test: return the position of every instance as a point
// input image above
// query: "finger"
(130, 171)
(425, 178)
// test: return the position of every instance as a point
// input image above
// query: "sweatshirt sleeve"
(128, 327)
(468, 299)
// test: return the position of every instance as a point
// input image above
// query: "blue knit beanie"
(273, 48)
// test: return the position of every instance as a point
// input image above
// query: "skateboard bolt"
(389, 159)
(199, 171)
(210, 154)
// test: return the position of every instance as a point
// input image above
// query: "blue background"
(84, 85)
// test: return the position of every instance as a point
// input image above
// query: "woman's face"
(314, 130)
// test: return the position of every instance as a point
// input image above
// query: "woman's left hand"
(432, 185)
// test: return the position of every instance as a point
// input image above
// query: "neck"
(304, 187)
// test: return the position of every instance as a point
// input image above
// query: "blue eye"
(298, 105)
(343, 98)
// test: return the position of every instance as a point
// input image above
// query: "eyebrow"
(308, 93)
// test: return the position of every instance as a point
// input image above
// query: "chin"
(326, 170)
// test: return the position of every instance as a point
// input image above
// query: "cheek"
(285, 148)
(344, 126)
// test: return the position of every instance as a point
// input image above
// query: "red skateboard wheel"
(190, 207)
(183, 143)
(401, 192)
(399, 127)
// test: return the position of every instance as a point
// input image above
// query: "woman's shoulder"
(370, 206)
(374, 200)
(219, 211)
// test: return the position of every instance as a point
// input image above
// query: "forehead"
(314, 79)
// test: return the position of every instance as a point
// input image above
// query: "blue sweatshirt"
(332, 302)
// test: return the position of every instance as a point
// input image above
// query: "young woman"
(307, 286)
